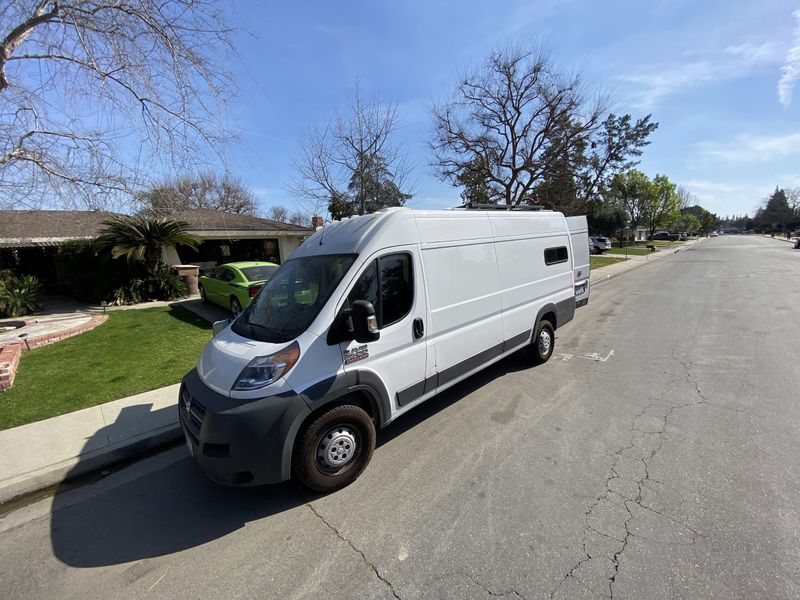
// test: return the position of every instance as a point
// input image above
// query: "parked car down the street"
(664, 236)
(233, 285)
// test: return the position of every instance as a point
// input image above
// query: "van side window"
(366, 288)
(554, 256)
(396, 288)
(388, 284)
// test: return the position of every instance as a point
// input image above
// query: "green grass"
(665, 243)
(598, 262)
(633, 251)
(133, 352)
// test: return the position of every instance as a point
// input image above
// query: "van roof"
(396, 226)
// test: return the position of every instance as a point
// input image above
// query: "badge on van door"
(356, 354)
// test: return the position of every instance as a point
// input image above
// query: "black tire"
(203, 297)
(543, 343)
(236, 306)
(334, 449)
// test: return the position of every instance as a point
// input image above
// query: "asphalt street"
(655, 456)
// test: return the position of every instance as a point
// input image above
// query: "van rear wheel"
(543, 343)
(334, 449)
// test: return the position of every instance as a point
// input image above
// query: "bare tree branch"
(351, 166)
(224, 193)
(97, 95)
(513, 122)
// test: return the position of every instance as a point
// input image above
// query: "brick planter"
(52, 338)
(9, 359)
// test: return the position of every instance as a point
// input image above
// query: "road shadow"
(175, 507)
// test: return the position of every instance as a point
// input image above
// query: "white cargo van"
(370, 317)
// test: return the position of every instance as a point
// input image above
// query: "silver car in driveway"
(601, 243)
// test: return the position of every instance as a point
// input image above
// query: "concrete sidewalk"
(45, 453)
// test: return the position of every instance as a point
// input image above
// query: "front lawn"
(631, 250)
(598, 262)
(133, 352)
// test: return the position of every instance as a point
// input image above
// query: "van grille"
(194, 413)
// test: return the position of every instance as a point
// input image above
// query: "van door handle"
(419, 328)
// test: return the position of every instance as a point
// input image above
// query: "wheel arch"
(548, 312)
(329, 394)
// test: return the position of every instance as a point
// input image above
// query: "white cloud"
(790, 71)
(755, 54)
(752, 148)
(730, 196)
(699, 186)
(653, 86)
(734, 62)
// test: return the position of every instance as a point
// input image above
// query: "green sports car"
(233, 285)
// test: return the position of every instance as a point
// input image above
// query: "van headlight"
(263, 370)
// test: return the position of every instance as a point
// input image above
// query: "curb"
(636, 265)
(73, 468)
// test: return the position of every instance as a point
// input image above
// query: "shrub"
(20, 295)
(162, 283)
(158, 284)
(92, 275)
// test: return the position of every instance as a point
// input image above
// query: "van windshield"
(292, 298)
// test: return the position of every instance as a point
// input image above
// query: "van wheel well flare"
(334, 449)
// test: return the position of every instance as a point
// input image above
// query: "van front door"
(392, 282)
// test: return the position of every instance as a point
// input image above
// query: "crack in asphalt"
(363, 556)
(638, 443)
(487, 590)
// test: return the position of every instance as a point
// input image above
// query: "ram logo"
(356, 354)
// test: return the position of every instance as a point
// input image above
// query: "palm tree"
(140, 238)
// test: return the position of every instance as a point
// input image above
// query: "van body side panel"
(528, 283)
(565, 311)
(397, 359)
(579, 237)
(463, 288)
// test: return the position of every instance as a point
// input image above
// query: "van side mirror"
(345, 328)
(365, 323)
(219, 326)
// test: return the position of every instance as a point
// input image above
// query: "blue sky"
(721, 78)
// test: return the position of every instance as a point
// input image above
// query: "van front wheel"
(543, 343)
(334, 449)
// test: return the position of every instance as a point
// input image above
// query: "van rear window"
(554, 256)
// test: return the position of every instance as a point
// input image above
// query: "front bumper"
(239, 442)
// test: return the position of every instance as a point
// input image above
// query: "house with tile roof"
(29, 239)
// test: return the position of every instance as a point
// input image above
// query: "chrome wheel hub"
(545, 341)
(337, 447)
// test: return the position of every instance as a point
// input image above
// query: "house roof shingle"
(206, 219)
(49, 227)
(32, 224)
